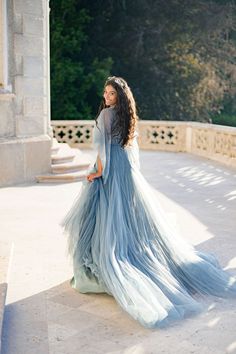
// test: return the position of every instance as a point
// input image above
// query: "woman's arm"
(97, 174)
(102, 143)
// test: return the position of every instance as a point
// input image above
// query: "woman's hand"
(97, 174)
(92, 176)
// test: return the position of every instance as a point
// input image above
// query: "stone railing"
(74, 132)
(215, 142)
(212, 141)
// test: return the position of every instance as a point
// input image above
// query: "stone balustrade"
(211, 141)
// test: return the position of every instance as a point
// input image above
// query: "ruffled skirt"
(122, 244)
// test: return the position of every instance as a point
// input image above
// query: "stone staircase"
(68, 164)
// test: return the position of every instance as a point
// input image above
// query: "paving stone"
(45, 315)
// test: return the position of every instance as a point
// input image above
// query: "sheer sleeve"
(102, 140)
(133, 152)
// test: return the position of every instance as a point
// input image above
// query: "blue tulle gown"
(122, 244)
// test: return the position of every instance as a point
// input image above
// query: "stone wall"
(25, 141)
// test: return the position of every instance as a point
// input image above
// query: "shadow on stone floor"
(205, 189)
(62, 321)
(59, 320)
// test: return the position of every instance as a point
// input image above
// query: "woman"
(119, 238)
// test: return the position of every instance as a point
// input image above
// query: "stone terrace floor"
(44, 315)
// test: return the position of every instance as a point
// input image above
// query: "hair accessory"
(118, 81)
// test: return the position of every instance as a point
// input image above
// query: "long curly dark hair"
(125, 124)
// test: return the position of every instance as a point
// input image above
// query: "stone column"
(47, 34)
(2, 41)
(25, 147)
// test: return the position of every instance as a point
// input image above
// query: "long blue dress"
(122, 244)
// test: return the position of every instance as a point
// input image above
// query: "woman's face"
(110, 95)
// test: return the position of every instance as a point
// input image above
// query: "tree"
(75, 81)
(178, 55)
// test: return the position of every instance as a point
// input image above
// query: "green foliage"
(75, 81)
(178, 56)
(225, 119)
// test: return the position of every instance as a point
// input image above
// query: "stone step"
(69, 167)
(61, 158)
(62, 178)
(54, 140)
(63, 153)
(6, 250)
(55, 149)
(55, 146)
(64, 148)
